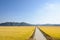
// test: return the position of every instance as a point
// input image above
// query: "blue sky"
(30, 11)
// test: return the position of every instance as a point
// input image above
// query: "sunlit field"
(16, 32)
(53, 31)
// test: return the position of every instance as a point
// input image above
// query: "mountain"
(50, 24)
(25, 24)
(15, 24)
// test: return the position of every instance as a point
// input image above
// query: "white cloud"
(50, 13)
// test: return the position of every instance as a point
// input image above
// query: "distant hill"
(25, 24)
(15, 24)
(50, 25)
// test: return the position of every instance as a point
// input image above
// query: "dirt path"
(38, 35)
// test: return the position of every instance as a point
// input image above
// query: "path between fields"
(38, 35)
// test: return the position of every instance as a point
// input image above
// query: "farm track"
(38, 34)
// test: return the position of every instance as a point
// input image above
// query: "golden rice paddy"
(16, 32)
(25, 32)
(53, 31)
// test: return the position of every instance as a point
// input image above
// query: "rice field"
(25, 32)
(16, 32)
(53, 31)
